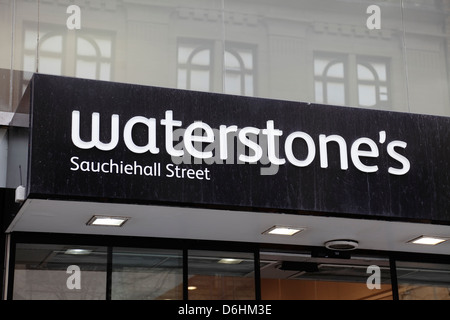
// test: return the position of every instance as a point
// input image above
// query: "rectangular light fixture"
(107, 221)
(428, 240)
(284, 230)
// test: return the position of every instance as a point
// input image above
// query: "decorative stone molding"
(213, 15)
(350, 30)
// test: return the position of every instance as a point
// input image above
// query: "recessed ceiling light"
(284, 230)
(190, 288)
(428, 240)
(77, 251)
(230, 261)
(108, 221)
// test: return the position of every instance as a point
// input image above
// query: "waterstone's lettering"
(257, 143)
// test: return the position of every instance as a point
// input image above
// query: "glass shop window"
(147, 274)
(59, 272)
(351, 80)
(74, 272)
(303, 277)
(423, 281)
(215, 275)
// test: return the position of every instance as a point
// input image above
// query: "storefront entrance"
(45, 266)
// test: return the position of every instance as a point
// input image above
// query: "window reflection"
(333, 84)
(196, 68)
(213, 46)
(50, 52)
(238, 65)
(330, 80)
(83, 55)
(372, 83)
(93, 59)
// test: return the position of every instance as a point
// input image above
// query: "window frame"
(217, 68)
(192, 244)
(351, 79)
(111, 242)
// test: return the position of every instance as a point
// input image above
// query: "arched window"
(194, 67)
(238, 77)
(207, 66)
(372, 84)
(83, 55)
(51, 46)
(351, 80)
(330, 79)
(93, 58)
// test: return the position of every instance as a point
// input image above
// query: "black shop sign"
(139, 144)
